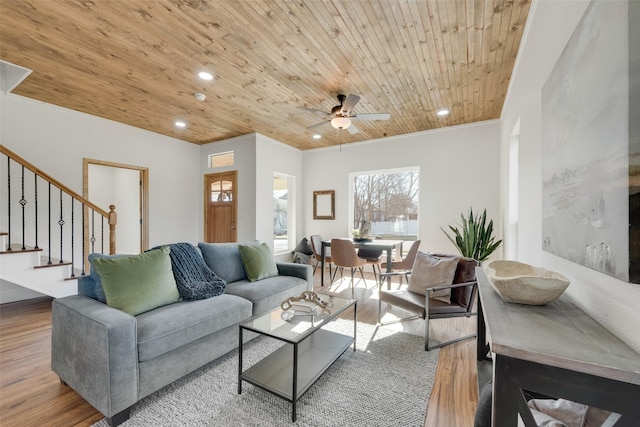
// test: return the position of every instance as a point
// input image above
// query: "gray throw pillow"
(224, 259)
(430, 271)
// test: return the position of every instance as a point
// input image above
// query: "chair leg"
(352, 285)
(426, 322)
(426, 332)
(362, 275)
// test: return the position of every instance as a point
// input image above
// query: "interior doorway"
(126, 187)
(220, 207)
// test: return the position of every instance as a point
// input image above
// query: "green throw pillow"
(258, 261)
(138, 283)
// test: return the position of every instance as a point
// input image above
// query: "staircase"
(46, 230)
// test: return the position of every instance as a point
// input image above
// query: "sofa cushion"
(138, 283)
(170, 327)
(257, 261)
(267, 294)
(224, 259)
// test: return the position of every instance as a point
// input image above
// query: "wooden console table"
(555, 350)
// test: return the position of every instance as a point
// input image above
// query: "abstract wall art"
(591, 144)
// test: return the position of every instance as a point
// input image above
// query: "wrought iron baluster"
(83, 236)
(61, 224)
(93, 230)
(35, 197)
(102, 235)
(9, 204)
(73, 274)
(22, 202)
(49, 225)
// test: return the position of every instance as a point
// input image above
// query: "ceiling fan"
(341, 115)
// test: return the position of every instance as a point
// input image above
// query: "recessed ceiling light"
(316, 136)
(443, 112)
(180, 124)
(204, 75)
(200, 96)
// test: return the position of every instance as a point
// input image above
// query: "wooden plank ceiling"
(135, 62)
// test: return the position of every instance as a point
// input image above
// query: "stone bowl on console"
(521, 283)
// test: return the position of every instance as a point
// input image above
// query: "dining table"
(373, 244)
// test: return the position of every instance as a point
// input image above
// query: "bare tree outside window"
(389, 200)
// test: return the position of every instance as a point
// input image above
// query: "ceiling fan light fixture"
(341, 122)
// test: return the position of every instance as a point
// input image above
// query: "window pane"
(221, 191)
(389, 200)
(221, 159)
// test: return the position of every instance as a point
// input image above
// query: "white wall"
(612, 302)
(244, 148)
(459, 169)
(57, 139)
(257, 158)
(275, 157)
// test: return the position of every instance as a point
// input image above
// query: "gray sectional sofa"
(114, 359)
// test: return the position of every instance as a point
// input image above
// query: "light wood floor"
(31, 394)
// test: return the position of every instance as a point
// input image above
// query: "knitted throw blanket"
(193, 276)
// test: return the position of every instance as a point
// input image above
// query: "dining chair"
(344, 256)
(402, 267)
(374, 258)
(316, 246)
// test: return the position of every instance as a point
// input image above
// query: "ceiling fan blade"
(313, 110)
(353, 129)
(372, 116)
(318, 124)
(349, 103)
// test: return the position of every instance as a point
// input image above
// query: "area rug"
(385, 382)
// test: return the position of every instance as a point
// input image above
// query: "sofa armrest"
(303, 271)
(94, 350)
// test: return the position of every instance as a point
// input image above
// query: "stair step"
(54, 263)
(16, 248)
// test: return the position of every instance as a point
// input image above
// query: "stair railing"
(62, 205)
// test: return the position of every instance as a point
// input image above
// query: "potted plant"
(475, 239)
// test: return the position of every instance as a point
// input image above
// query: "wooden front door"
(220, 207)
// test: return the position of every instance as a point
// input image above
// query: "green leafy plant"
(475, 239)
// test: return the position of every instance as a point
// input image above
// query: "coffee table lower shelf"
(316, 354)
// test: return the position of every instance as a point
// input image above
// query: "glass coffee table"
(309, 351)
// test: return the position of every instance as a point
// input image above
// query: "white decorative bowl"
(523, 283)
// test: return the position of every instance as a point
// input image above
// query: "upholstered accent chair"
(453, 299)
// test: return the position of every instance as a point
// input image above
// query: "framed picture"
(324, 204)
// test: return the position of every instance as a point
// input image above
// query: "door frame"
(144, 199)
